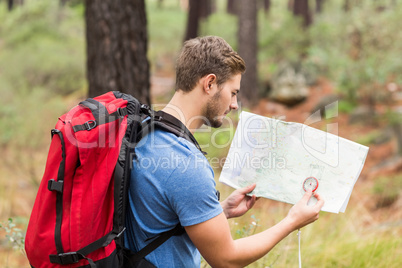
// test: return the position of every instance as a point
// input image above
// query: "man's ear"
(209, 83)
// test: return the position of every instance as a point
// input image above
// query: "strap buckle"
(55, 131)
(53, 185)
(122, 112)
(218, 195)
(65, 258)
(157, 118)
(145, 109)
(88, 126)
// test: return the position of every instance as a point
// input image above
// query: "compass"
(310, 183)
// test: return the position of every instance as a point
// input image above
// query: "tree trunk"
(232, 7)
(301, 9)
(398, 133)
(193, 19)
(318, 6)
(116, 34)
(346, 5)
(207, 8)
(267, 5)
(247, 39)
(290, 5)
(160, 4)
(356, 47)
(10, 5)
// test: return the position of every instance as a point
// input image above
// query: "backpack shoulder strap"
(171, 124)
(159, 240)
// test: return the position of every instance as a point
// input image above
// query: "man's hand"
(215, 243)
(302, 214)
(238, 203)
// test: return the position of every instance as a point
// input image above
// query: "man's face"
(222, 102)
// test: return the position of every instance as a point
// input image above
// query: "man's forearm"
(213, 238)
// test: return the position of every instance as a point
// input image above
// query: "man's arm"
(214, 241)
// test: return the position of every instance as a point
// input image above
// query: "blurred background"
(338, 58)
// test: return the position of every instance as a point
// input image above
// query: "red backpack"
(79, 213)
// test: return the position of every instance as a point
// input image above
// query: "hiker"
(172, 182)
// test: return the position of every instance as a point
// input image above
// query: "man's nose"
(234, 105)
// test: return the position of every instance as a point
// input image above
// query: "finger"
(307, 195)
(320, 200)
(317, 195)
(247, 189)
(251, 201)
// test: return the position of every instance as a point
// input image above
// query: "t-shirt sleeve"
(190, 190)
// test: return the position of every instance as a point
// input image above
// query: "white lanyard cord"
(299, 234)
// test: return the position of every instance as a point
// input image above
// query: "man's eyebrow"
(237, 90)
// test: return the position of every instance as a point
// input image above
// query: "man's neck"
(187, 107)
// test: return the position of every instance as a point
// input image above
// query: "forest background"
(342, 52)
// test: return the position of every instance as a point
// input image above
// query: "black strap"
(122, 171)
(100, 113)
(74, 257)
(97, 108)
(59, 192)
(70, 258)
(159, 240)
(174, 125)
(101, 242)
(171, 124)
(120, 186)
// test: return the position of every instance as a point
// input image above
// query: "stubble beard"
(211, 113)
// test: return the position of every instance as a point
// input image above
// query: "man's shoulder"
(164, 142)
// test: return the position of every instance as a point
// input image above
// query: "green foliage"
(215, 142)
(361, 53)
(39, 48)
(358, 252)
(248, 229)
(223, 25)
(345, 106)
(394, 118)
(41, 59)
(14, 235)
(166, 28)
(368, 138)
(25, 116)
(282, 38)
(388, 188)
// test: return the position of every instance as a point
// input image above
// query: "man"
(179, 186)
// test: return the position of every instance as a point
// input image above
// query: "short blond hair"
(206, 55)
